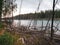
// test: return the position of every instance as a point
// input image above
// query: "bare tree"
(52, 31)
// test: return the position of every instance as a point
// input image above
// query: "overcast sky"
(30, 6)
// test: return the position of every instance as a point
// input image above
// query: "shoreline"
(39, 19)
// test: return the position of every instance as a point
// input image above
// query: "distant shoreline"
(41, 19)
(34, 19)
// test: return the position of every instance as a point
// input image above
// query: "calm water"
(37, 23)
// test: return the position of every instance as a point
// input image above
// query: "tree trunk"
(52, 31)
(1, 2)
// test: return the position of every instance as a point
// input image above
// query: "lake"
(36, 23)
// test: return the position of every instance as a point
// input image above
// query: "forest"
(39, 15)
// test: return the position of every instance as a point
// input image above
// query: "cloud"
(31, 5)
(46, 5)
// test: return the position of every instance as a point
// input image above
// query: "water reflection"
(16, 23)
(37, 23)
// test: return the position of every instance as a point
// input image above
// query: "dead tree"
(52, 31)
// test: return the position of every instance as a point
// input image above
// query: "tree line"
(39, 15)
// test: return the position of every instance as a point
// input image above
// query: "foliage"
(6, 39)
(1, 25)
(1, 3)
(46, 14)
(9, 6)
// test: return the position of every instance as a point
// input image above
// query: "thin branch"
(39, 5)
(56, 2)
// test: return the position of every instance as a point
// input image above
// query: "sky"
(30, 6)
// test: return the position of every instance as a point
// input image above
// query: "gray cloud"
(33, 4)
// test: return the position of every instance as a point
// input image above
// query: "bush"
(1, 25)
(6, 39)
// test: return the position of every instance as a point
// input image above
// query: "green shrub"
(1, 25)
(6, 39)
